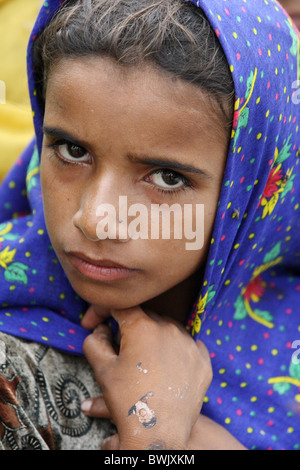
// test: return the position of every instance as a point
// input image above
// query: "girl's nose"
(98, 215)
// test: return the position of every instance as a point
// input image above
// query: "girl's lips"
(100, 270)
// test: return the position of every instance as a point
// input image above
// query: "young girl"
(159, 102)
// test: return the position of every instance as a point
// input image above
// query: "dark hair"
(172, 34)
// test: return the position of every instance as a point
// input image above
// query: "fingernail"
(86, 406)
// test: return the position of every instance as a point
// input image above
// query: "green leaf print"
(273, 253)
(249, 83)
(16, 273)
(264, 314)
(240, 309)
(289, 186)
(294, 46)
(284, 152)
(294, 370)
(210, 293)
(281, 387)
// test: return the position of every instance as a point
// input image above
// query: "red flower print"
(255, 289)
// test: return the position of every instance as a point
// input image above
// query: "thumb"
(94, 316)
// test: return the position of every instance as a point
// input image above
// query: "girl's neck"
(178, 301)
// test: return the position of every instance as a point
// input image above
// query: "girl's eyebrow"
(61, 134)
(167, 163)
(145, 160)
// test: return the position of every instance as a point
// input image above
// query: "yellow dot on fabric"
(254, 31)
(8, 314)
(62, 296)
(27, 254)
(206, 400)
(212, 241)
(227, 282)
(234, 34)
(239, 348)
(258, 100)
(219, 17)
(223, 384)
(289, 430)
(248, 366)
(12, 184)
(41, 232)
(288, 228)
(227, 420)
(208, 332)
(243, 384)
(222, 371)
(268, 113)
(271, 409)
(253, 399)
(259, 136)
(280, 117)
(21, 240)
(205, 283)
(252, 235)
(236, 246)
(228, 205)
(250, 430)
(276, 71)
(220, 322)
(231, 68)
(269, 53)
(222, 270)
(254, 246)
(231, 184)
(296, 207)
(278, 47)
(219, 342)
(51, 278)
(46, 319)
(297, 398)
(274, 352)
(254, 347)
(45, 338)
(259, 19)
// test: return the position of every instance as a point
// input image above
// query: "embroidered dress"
(247, 311)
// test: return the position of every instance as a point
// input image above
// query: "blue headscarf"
(248, 308)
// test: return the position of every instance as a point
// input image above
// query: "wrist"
(153, 439)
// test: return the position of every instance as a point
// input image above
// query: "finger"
(95, 408)
(203, 350)
(98, 348)
(111, 443)
(128, 316)
(94, 316)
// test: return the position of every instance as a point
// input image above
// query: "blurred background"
(17, 18)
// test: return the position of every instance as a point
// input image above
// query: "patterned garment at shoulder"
(41, 391)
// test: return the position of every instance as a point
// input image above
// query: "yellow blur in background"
(17, 18)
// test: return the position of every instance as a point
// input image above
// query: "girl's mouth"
(99, 270)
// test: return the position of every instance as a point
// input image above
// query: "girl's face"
(112, 131)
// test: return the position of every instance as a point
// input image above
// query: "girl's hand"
(154, 387)
(205, 435)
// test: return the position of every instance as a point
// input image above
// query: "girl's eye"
(168, 179)
(71, 152)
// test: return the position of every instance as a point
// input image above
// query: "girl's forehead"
(97, 82)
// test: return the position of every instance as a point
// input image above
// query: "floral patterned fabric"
(247, 312)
